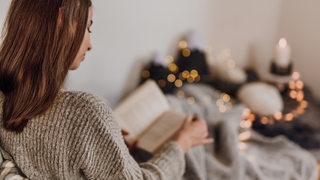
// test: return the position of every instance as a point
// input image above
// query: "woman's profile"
(54, 134)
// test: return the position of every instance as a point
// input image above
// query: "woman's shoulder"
(84, 101)
(81, 98)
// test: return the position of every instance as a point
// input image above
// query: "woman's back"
(59, 143)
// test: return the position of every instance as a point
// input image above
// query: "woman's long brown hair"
(41, 39)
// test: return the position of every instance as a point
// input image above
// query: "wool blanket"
(238, 154)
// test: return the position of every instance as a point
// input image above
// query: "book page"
(138, 111)
(166, 126)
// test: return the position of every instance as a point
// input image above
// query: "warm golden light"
(171, 78)
(295, 75)
(186, 52)
(145, 74)
(300, 111)
(278, 116)
(251, 117)
(304, 104)
(173, 67)
(225, 97)
(300, 96)
(183, 44)
(178, 83)
(245, 124)
(191, 100)
(264, 120)
(292, 85)
(190, 79)
(170, 59)
(246, 112)
(288, 117)
(296, 93)
(194, 73)
(299, 85)
(293, 94)
(245, 136)
(283, 43)
(185, 74)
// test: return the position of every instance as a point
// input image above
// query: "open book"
(147, 117)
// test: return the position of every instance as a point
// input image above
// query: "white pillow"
(261, 98)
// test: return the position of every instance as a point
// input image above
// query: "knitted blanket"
(238, 154)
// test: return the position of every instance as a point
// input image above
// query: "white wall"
(4, 5)
(127, 33)
(300, 24)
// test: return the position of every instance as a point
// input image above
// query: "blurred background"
(126, 34)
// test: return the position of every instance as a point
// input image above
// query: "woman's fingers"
(124, 132)
(189, 119)
(194, 132)
(207, 141)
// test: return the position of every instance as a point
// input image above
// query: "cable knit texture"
(78, 138)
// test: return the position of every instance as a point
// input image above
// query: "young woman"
(54, 134)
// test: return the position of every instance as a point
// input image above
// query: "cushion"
(261, 98)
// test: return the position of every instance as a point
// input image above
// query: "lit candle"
(283, 53)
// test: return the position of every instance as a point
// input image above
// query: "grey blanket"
(238, 154)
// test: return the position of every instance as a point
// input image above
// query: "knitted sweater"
(78, 138)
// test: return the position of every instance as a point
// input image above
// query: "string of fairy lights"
(295, 93)
(224, 102)
(178, 78)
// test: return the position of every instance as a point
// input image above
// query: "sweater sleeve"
(102, 153)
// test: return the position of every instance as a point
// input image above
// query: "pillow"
(261, 98)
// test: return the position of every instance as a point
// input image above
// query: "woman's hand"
(193, 132)
(132, 146)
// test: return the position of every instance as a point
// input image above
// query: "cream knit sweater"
(78, 138)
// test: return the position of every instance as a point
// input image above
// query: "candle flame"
(283, 43)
